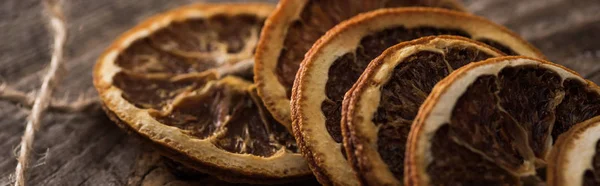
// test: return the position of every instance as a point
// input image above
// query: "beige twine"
(57, 25)
(81, 104)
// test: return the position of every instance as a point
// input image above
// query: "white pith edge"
(276, 91)
(440, 113)
(312, 124)
(279, 165)
(578, 153)
(313, 79)
(369, 100)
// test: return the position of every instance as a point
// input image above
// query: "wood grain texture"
(87, 149)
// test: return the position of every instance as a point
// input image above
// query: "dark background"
(87, 149)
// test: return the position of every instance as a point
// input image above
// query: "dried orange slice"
(494, 122)
(336, 61)
(378, 110)
(293, 28)
(183, 81)
(575, 158)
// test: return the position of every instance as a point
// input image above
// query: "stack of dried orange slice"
(352, 92)
(336, 61)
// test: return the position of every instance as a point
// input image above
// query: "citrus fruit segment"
(293, 28)
(335, 62)
(182, 80)
(575, 158)
(506, 113)
(156, 90)
(379, 109)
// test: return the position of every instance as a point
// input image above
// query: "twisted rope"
(42, 100)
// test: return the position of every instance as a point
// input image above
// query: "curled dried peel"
(499, 117)
(575, 158)
(182, 81)
(336, 60)
(379, 108)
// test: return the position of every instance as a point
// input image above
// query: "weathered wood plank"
(87, 149)
(567, 32)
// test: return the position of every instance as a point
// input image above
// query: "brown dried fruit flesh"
(575, 158)
(506, 113)
(182, 80)
(293, 28)
(336, 61)
(381, 106)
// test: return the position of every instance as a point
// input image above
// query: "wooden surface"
(87, 149)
